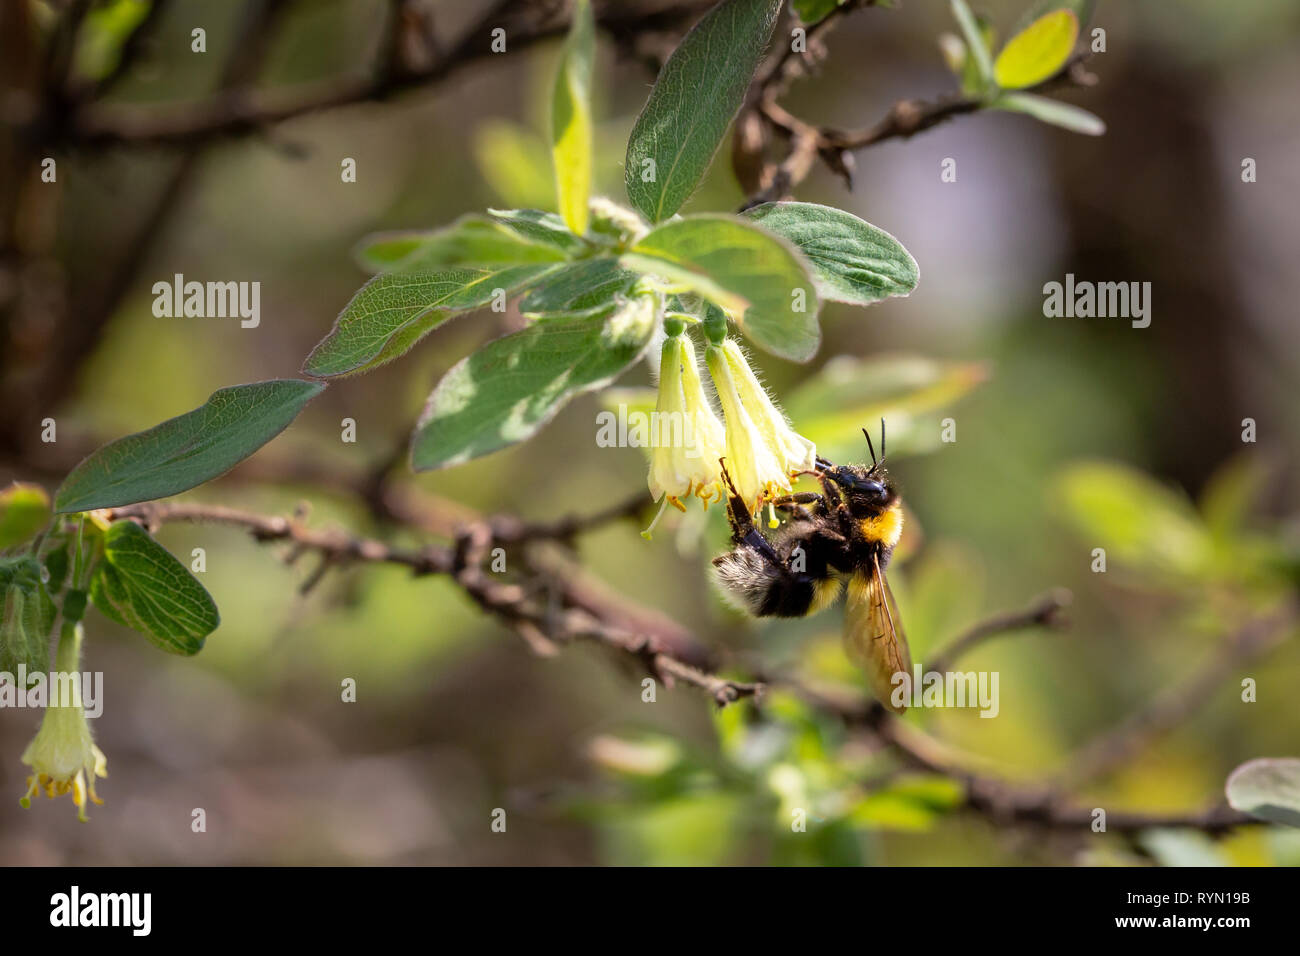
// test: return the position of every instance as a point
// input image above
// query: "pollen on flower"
(763, 452)
(688, 437)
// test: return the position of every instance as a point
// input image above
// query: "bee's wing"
(873, 633)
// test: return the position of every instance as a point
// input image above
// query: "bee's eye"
(873, 488)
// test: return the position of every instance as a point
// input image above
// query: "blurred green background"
(454, 717)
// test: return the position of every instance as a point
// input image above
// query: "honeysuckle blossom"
(794, 453)
(762, 450)
(688, 437)
(63, 755)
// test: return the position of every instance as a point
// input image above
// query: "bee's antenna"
(872, 448)
(882, 438)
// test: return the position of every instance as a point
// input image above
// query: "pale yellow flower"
(755, 464)
(63, 755)
(688, 438)
(793, 452)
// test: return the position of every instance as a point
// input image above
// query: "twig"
(515, 603)
(518, 604)
(241, 112)
(1044, 612)
(765, 181)
(997, 800)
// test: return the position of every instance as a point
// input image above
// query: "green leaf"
(1267, 788)
(24, 511)
(26, 616)
(571, 136)
(831, 407)
(1038, 51)
(543, 228)
(507, 390)
(693, 101)
(757, 278)
(393, 311)
(1138, 521)
(852, 260)
(187, 450)
(975, 44)
(592, 287)
(1051, 111)
(909, 804)
(812, 12)
(470, 242)
(141, 586)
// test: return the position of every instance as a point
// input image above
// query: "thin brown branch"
(769, 181)
(1000, 801)
(1043, 612)
(521, 604)
(526, 605)
(244, 111)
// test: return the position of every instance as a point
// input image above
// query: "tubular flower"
(63, 755)
(794, 453)
(687, 435)
(755, 464)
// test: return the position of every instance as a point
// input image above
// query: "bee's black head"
(866, 490)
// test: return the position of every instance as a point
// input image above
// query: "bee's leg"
(799, 498)
(743, 530)
(793, 504)
(737, 511)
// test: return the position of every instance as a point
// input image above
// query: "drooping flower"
(63, 755)
(754, 462)
(793, 452)
(687, 437)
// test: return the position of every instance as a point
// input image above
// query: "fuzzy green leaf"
(759, 279)
(187, 450)
(507, 390)
(141, 586)
(543, 228)
(393, 311)
(693, 102)
(470, 242)
(852, 260)
(592, 287)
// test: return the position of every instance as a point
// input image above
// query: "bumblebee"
(844, 535)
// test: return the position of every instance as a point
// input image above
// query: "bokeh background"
(454, 716)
